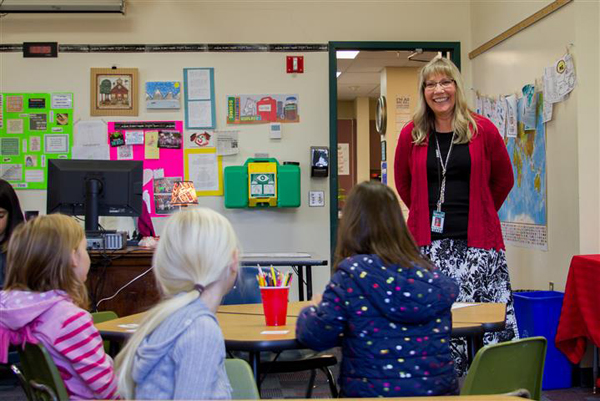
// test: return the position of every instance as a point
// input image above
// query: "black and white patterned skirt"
(482, 276)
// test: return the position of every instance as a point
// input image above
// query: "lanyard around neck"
(444, 165)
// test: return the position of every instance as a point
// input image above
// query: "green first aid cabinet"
(262, 183)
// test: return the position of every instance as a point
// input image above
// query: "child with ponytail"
(195, 264)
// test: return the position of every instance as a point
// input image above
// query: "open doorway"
(354, 87)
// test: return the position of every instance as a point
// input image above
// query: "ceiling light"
(347, 54)
(337, 74)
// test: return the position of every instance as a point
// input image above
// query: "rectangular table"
(244, 328)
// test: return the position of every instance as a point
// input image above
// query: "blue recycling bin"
(538, 313)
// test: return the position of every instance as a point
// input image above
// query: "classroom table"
(580, 315)
(244, 328)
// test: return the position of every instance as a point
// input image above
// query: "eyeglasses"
(444, 83)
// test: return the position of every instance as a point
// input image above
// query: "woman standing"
(453, 172)
(10, 217)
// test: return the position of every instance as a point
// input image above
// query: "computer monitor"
(95, 188)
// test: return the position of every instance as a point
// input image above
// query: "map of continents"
(526, 204)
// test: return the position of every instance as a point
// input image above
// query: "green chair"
(41, 374)
(508, 367)
(99, 317)
(241, 380)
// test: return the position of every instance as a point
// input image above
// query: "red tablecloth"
(580, 315)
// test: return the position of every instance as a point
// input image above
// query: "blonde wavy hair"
(197, 247)
(463, 123)
(40, 254)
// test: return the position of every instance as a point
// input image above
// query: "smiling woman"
(10, 216)
(453, 172)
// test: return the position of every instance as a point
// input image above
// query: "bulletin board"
(34, 127)
(162, 165)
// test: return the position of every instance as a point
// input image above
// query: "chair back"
(241, 380)
(104, 316)
(507, 367)
(245, 289)
(42, 374)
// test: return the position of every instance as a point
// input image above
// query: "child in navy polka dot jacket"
(386, 304)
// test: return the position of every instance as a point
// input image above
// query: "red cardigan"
(490, 182)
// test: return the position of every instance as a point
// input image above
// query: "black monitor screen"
(95, 188)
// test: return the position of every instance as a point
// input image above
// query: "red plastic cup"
(275, 303)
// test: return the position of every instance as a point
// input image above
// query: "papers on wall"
(511, 116)
(227, 143)
(559, 79)
(343, 159)
(89, 141)
(529, 106)
(204, 168)
(199, 97)
(500, 115)
(403, 115)
(62, 100)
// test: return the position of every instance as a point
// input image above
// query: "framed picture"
(114, 92)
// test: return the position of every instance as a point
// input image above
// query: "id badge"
(437, 222)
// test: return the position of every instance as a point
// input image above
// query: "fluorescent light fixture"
(337, 74)
(62, 6)
(347, 54)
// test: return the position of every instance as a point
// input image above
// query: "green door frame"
(452, 47)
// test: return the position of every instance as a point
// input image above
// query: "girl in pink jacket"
(44, 299)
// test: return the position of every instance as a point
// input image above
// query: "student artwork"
(34, 127)
(200, 139)
(166, 162)
(261, 109)
(114, 92)
(559, 79)
(163, 95)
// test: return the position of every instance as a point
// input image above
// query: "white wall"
(572, 135)
(159, 22)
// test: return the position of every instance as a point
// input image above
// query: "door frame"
(452, 47)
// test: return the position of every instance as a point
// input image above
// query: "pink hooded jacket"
(68, 334)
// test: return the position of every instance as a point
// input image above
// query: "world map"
(523, 214)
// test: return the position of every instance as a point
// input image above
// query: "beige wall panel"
(520, 60)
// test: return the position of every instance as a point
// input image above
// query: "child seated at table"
(44, 301)
(391, 305)
(178, 351)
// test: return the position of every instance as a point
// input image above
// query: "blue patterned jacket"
(395, 324)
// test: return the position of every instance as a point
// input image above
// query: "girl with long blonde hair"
(195, 264)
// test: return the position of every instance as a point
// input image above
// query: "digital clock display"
(43, 49)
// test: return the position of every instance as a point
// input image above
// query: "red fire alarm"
(295, 64)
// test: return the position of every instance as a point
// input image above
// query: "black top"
(456, 204)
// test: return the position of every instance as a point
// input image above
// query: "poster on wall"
(262, 109)
(161, 153)
(523, 215)
(34, 127)
(199, 92)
